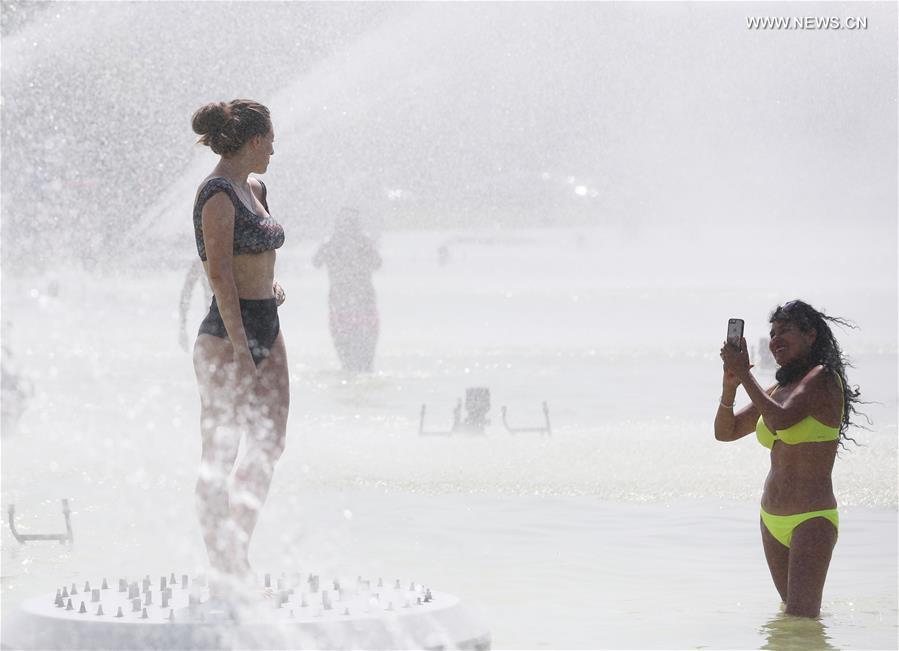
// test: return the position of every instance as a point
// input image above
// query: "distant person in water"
(351, 257)
(802, 419)
(239, 355)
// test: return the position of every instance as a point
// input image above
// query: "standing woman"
(239, 356)
(802, 419)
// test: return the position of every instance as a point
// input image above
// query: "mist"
(626, 117)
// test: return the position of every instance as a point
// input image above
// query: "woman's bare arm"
(810, 391)
(218, 235)
(730, 426)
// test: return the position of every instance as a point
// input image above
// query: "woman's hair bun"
(211, 118)
(224, 127)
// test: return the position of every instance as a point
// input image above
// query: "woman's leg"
(213, 364)
(810, 552)
(778, 557)
(341, 333)
(266, 436)
(368, 335)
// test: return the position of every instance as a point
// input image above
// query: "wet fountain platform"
(292, 611)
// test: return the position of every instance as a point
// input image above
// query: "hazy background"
(631, 117)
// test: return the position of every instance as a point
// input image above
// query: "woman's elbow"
(723, 435)
(221, 272)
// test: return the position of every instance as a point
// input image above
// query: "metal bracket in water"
(545, 431)
(477, 404)
(63, 538)
(457, 422)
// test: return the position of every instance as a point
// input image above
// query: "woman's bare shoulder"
(257, 186)
(207, 184)
(823, 385)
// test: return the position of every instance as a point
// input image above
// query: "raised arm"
(730, 426)
(809, 392)
(218, 234)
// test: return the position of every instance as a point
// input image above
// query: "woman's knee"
(216, 465)
(272, 447)
(278, 447)
(269, 431)
(212, 498)
(220, 449)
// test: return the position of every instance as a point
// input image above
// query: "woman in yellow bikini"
(802, 419)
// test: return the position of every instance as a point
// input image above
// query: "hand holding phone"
(735, 333)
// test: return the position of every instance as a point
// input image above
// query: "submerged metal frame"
(460, 427)
(545, 431)
(63, 538)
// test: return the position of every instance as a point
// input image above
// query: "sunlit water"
(629, 527)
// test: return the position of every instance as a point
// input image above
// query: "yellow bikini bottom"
(782, 526)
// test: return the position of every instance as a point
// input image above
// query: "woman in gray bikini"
(239, 355)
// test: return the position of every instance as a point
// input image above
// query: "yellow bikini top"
(808, 430)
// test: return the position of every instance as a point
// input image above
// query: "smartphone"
(735, 332)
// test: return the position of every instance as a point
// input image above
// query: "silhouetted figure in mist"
(351, 257)
(196, 274)
(443, 255)
(15, 389)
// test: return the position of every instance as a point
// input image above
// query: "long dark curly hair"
(825, 351)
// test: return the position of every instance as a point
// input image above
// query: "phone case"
(734, 331)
